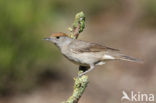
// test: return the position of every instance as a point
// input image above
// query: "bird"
(86, 54)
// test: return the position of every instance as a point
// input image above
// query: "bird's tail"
(128, 58)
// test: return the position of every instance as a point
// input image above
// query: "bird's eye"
(57, 37)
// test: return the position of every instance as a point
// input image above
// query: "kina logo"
(137, 97)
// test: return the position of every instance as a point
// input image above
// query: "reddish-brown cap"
(58, 34)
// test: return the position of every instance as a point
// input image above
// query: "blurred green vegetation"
(149, 13)
(22, 50)
(23, 53)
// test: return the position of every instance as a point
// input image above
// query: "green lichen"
(79, 87)
(79, 23)
(80, 82)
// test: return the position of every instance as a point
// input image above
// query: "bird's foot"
(81, 74)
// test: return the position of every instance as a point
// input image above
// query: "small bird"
(86, 53)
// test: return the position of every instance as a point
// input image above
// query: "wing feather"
(82, 46)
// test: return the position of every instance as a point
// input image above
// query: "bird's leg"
(90, 69)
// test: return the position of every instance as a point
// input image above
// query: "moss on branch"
(78, 25)
(80, 82)
(79, 87)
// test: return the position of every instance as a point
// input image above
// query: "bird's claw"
(81, 74)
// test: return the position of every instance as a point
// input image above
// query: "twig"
(80, 82)
(78, 25)
(79, 87)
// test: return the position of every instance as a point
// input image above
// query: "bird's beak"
(51, 39)
(46, 38)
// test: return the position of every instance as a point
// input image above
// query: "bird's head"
(59, 39)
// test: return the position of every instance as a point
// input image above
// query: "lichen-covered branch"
(80, 82)
(78, 25)
(79, 87)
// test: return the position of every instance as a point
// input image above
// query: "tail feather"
(128, 58)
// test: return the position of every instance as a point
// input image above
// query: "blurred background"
(33, 70)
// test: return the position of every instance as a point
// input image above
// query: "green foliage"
(149, 13)
(23, 53)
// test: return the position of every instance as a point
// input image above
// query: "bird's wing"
(82, 46)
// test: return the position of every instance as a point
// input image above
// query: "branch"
(78, 25)
(80, 82)
(79, 87)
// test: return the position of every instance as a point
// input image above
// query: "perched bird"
(86, 53)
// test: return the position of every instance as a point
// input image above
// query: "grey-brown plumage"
(86, 53)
